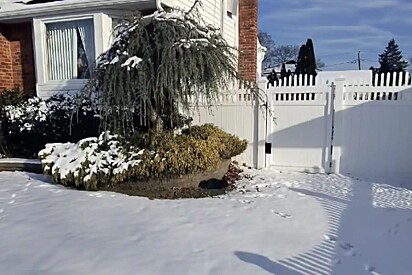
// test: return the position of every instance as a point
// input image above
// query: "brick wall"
(6, 69)
(248, 31)
(16, 53)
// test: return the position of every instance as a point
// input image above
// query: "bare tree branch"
(285, 53)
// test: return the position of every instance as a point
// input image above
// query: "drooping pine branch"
(158, 65)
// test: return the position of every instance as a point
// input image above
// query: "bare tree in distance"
(278, 54)
(285, 53)
(266, 41)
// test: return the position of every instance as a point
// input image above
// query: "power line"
(337, 54)
(342, 63)
(377, 53)
(370, 60)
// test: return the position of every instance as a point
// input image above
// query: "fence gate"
(300, 134)
(356, 129)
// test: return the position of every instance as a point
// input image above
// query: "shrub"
(11, 97)
(27, 124)
(91, 163)
(96, 163)
(197, 149)
(228, 145)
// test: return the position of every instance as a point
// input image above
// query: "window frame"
(45, 87)
(231, 14)
(45, 57)
(41, 58)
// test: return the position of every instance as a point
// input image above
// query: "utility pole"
(359, 60)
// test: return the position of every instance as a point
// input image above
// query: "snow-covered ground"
(279, 223)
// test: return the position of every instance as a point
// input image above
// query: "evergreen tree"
(283, 71)
(391, 60)
(300, 66)
(384, 65)
(310, 60)
(158, 65)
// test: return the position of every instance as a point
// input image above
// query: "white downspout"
(222, 18)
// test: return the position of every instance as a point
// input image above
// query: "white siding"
(238, 114)
(213, 14)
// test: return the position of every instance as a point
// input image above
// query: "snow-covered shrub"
(91, 163)
(28, 124)
(103, 162)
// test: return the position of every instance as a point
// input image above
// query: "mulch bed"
(207, 184)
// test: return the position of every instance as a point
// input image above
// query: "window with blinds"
(70, 49)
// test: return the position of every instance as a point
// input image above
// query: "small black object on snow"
(213, 184)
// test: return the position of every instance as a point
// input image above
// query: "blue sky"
(340, 28)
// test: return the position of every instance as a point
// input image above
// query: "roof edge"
(46, 9)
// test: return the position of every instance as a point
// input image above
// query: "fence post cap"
(262, 80)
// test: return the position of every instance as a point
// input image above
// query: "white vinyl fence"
(238, 114)
(355, 125)
(300, 136)
(360, 129)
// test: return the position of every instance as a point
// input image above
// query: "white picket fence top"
(364, 78)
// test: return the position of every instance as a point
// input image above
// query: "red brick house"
(49, 46)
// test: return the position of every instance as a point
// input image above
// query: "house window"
(70, 49)
(231, 8)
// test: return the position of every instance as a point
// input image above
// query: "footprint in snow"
(97, 195)
(369, 268)
(394, 231)
(56, 191)
(346, 246)
(43, 186)
(336, 261)
(350, 249)
(331, 238)
(246, 201)
(351, 252)
(282, 215)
